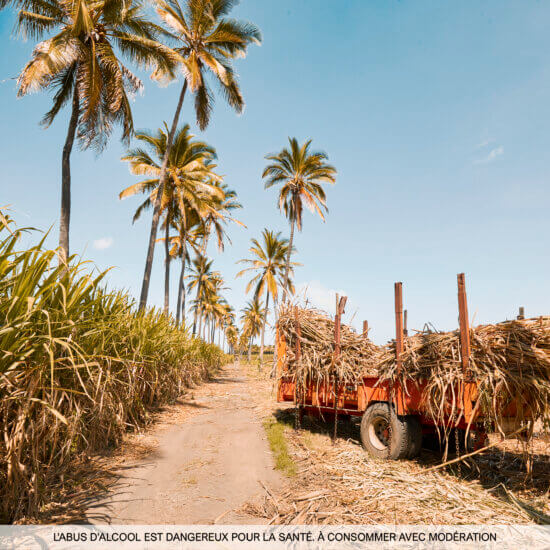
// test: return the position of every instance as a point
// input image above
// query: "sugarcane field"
(274, 275)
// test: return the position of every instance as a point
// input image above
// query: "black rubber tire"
(415, 430)
(466, 446)
(432, 442)
(375, 417)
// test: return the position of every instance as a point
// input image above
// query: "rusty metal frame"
(464, 324)
(398, 287)
(340, 310)
(469, 388)
(399, 401)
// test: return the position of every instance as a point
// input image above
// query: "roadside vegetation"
(275, 432)
(79, 366)
(338, 483)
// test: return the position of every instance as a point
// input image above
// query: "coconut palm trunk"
(180, 313)
(250, 350)
(286, 290)
(263, 326)
(180, 292)
(158, 198)
(199, 284)
(167, 266)
(200, 322)
(65, 218)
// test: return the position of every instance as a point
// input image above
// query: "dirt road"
(204, 461)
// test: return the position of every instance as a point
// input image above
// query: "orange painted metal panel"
(354, 399)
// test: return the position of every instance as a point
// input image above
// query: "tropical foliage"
(190, 189)
(207, 42)
(81, 63)
(267, 265)
(78, 366)
(210, 308)
(252, 319)
(300, 172)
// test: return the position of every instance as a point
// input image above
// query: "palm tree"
(267, 263)
(210, 307)
(300, 172)
(218, 217)
(81, 63)
(227, 320)
(217, 304)
(201, 272)
(189, 170)
(187, 225)
(252, 317)
(207, 42)
(232, 337)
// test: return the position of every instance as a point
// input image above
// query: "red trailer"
(392, 431)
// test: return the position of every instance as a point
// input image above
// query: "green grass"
(275, 432)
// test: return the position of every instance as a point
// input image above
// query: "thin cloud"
(318, 295)
(103, 243)
(492, 156)
(484, 143)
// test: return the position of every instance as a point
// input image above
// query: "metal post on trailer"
(340, 305)
(521, 314)
(464, 327)
(468, 387)
(405, 330)
(365, 329)
(398, 291)
(297, 392)
(398, 325)
(465, 351)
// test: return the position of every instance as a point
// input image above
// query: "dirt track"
(205, 459)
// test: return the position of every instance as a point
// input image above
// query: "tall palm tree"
(267, 263)
(81, 63)
(217, 310)
(186, 224)
(252, 316)
(301, 173)
(232, 337)
(201, 273)
(227, 320)
(210, 307)
(207, 42)
(189, 171)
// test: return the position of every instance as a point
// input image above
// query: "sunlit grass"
(275, 432)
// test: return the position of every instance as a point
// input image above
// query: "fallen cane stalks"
(473, 453)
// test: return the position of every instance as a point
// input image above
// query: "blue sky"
(436, 115)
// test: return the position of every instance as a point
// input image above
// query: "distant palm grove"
(81, 60)
(79, 362)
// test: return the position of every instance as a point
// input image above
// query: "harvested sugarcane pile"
(340, 484)
(509, 362)
(317, 361)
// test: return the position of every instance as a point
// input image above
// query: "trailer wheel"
(376, 434)
(415, 429)
(432, 442)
